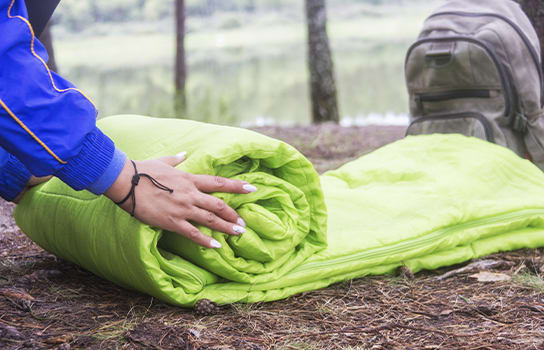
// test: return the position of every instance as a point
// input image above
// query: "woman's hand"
(188, 202)
(32, 182)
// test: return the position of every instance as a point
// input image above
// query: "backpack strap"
(520, 123)
(534, 138)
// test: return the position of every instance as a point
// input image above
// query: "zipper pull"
(520, 123)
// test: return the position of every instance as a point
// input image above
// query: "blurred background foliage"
(246, 58)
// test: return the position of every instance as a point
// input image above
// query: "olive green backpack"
(476, 70)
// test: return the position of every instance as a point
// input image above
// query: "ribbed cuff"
(110, 174)
(13, 178)
(90, 164)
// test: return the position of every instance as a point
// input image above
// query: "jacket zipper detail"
(520, 32)
(505, 82)
(421, 241)
(488, 129)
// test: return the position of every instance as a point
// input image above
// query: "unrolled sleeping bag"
(424, 202)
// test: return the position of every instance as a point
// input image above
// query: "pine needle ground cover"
(51, 303)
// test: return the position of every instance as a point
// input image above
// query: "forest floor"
(48, 303)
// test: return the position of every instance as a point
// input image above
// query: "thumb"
(174, 160)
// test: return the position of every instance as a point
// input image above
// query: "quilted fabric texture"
(423, 202)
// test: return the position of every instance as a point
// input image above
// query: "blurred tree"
(180, 103)
(250, 6)
(47, 40)
(322, 83)
(535, 11)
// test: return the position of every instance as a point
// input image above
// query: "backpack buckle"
(520, 123)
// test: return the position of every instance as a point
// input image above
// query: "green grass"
(529, 280)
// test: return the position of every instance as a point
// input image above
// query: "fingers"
(174, 160)
(209, 219)
(20, 195)
(191, 232)
(219, 208)
(209, 183)
(38, 180)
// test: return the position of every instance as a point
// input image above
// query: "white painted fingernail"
(249, 188)
(241, 222)
(181, 155)
(215, 244)
(238, 229)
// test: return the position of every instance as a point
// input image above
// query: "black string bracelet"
(135, 181)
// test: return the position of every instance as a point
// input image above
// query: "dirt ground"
(47, 303)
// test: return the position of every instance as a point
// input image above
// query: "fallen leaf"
(58, 340)
(477, 265)
(15, 293)
(446, 312)
(486, 276)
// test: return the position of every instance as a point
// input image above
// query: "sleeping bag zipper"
(520, 32)
(418, 242)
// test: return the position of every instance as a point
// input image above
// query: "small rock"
(195, 333)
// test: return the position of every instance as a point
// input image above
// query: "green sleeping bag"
(424, 202)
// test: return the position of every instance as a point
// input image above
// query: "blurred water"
(261, 90)
(246, 68)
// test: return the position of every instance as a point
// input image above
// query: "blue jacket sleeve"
(45, 122)
(13, 176)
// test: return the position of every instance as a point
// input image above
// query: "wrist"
(111, 173)
(121, 186)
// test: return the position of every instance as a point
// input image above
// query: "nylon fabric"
(426, 201)
(476, 69)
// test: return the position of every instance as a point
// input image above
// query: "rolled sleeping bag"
(286, 218)
(423, 202)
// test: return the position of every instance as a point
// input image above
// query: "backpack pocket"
(421, 99)
(466, 123)
(518, 29)
(448, 68)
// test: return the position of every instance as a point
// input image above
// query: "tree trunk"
(535, 11)
(47, 40)
(322, 84)
(180, 103)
